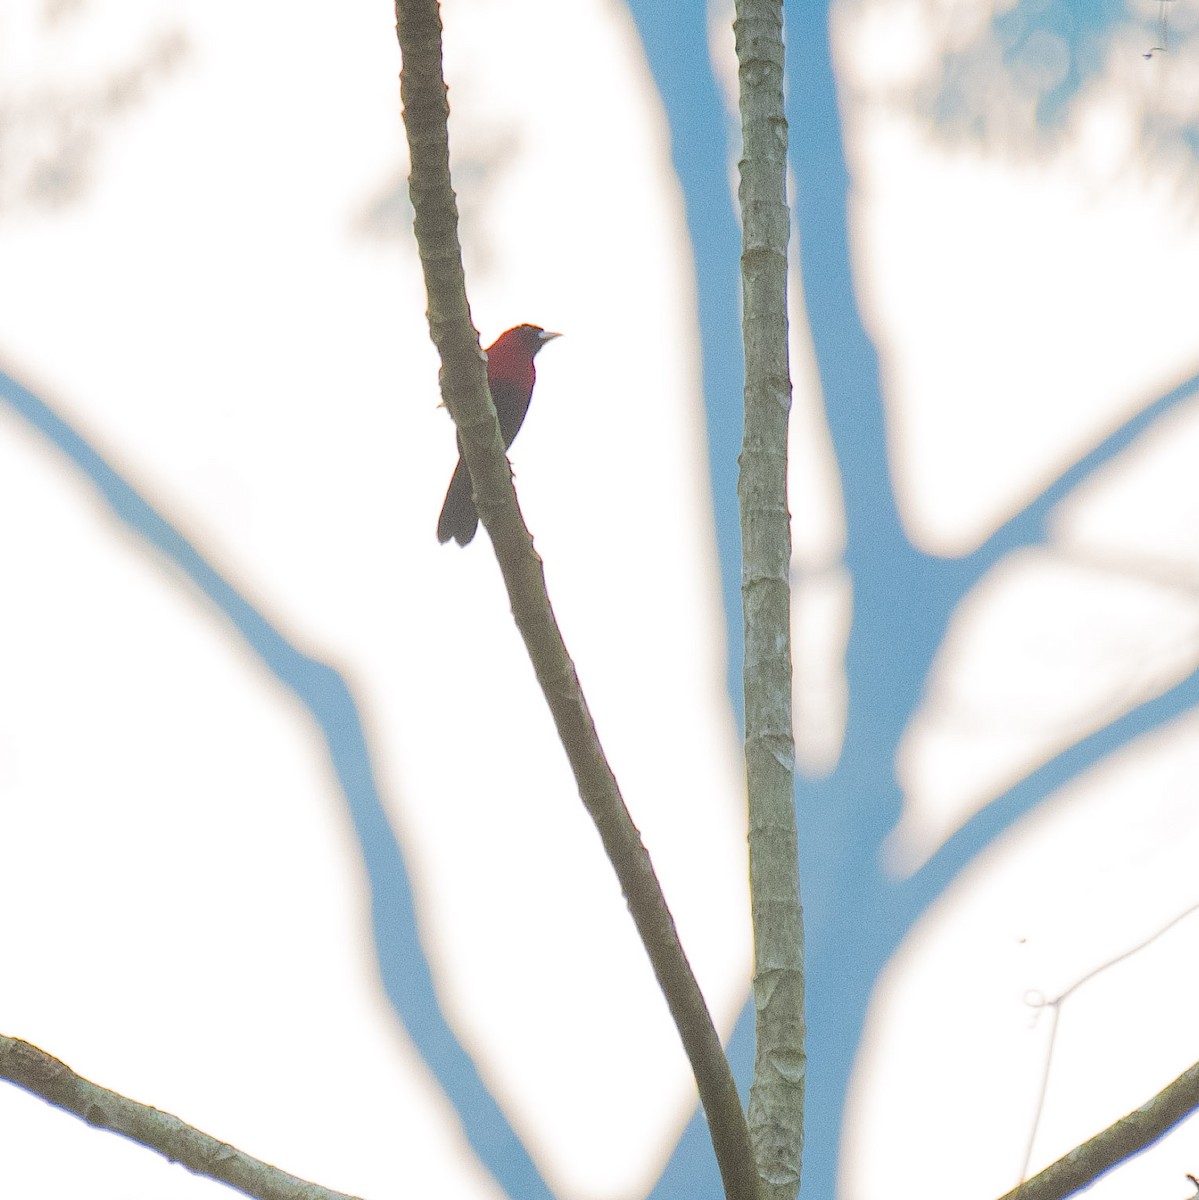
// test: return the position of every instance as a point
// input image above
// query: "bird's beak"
(546, 336)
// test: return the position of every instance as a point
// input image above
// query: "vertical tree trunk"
(777, 1095)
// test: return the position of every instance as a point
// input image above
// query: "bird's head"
(523, 339)
(510, 356)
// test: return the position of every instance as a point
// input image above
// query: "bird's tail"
(459, 518)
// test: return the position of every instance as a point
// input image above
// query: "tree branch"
(918, 893)
(1027, 527)
(55, 1082)
(1128, 1136)
(327, 697)
(776, 1103)
(464, 381)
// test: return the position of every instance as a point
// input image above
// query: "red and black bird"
(511, 376)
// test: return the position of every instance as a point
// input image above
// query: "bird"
(510, 375)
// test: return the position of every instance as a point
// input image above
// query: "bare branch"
(1128, 1136)
(984, 828)
(1027, 527)
(1055, 1007)
(55, 1082)
(422, 88)
(776, 1100)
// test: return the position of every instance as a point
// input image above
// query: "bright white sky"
(186, 915)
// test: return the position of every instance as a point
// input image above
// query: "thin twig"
(423, 91)
(1128, 1136)
(44, 1075)
(1055, 1006)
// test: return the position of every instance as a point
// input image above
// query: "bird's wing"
(511, 403)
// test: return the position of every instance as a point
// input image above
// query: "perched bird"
(511, 376)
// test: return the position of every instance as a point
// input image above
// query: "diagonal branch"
(323, 691)
(985, 827)
(423, 91)
(44, 1075)
(1028, 525)
(1128, 1136)
(1055, 1008)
